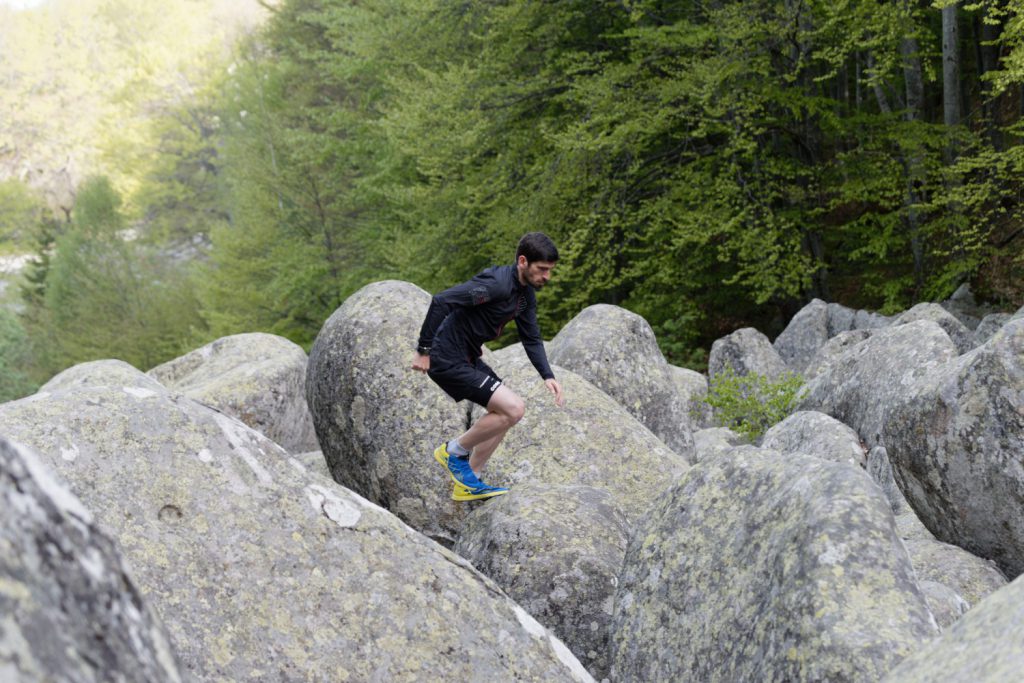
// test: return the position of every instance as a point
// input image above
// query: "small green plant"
(750, 404)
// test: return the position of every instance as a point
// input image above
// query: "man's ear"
(521, 261)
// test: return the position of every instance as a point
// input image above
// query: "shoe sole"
(465, 495)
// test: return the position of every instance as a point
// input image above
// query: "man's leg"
(504, 410)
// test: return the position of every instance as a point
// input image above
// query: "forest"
(181, 172)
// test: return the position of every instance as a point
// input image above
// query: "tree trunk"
(950, 66)
(915, 99)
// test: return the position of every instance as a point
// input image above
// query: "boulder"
(985, 646)
(1018, 314)
(263, 570)
(957, 331)
(557, 552)
(590, 441)
(314, 461)
(909, 527)
(759, 567)
(840, 319)
(833, 348)
(988, 326)
(377, 420)
(964, 307)
(746, 351)
(869, 320)
(858, 387)
(115, 373)
(693, 388)
(970, 577)
(616, 351)
(880, 469)
(257, 378)
(804, 335)
(69, 610)
(956, 442)
(816, 434)
(709, 442)
(945, 604)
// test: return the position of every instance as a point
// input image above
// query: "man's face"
(535, 274)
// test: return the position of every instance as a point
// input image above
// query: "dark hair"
(536, 246)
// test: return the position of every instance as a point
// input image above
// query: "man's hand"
(421, 363)
(555, 388)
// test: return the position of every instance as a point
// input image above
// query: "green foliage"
(20, 209)
(14, 358)
(751, 404)
(102, 295)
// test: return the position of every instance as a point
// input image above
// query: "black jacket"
(460, 319)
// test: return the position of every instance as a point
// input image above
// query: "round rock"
(616, 351)
(257, 378)
(557, 552)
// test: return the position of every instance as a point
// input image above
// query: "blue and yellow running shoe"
(459, 469)
(481, 492)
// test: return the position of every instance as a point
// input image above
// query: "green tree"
(105, 296)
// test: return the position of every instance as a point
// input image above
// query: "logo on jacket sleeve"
(480, 295)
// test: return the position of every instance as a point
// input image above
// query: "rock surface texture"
(956, 442)
(805, 334)
(377, 420)
(858, 387)
(257, 378)
(962, 337)
(591, 441)
(68, 609)
(746, 351)
(557, 552)
(970, 577)
(262, 570)
(693, 388)
(758, 567)
(816, 434)
(985, 646)
(616, 351)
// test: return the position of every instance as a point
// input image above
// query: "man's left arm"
(533, 344)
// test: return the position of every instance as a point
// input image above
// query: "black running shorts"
(476, 381)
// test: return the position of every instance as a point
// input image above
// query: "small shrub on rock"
(750, 404)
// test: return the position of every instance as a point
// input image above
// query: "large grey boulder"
(746, 351)
(69, 611)
(956, 442)
(377, 420)
(616, 351)
(880, 469)
(804, 335)
(715, 440)
(102, 372)
(557, 552)
(988, 326)
(758, 567)
(858, 387)
(693, 388)
(985, 646)
(817, 434)
(262, 570)
(833, 348)
(257, 378)
(961, 336)
(590, 441)
(970, 578)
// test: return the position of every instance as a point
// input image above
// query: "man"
(458, 322)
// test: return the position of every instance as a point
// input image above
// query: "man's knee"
(508, 405)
